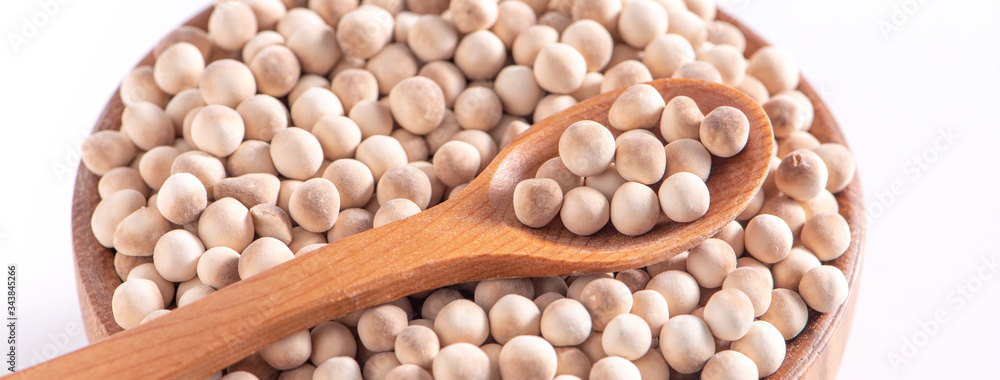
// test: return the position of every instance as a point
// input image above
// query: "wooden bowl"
(813, 354)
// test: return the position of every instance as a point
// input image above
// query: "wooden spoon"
(474, 236)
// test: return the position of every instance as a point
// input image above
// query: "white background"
(895, 92)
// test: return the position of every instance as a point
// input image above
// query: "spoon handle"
(365, 270)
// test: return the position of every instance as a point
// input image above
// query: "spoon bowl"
(473, 236)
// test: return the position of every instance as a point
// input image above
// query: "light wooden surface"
(815, 353)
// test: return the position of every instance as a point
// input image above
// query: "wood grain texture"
(815, 353)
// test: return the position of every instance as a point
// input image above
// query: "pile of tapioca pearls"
(290, 124)
(598, 177)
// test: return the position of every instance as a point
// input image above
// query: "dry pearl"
(827, 235)
(111, 211)
(639, 106)
(407, 182)
(462, 321)
(725, 131)
(179, 107)
(614, 367)
(642, 21)
(678, 262)
(565, 322)
(684, 197)
(789, 210)
(513, 315)
(681, 119)
(313, 105)
(261, 255)
(755, 283)
(176, 255)
(729, 314)
(798, 140)
(824, 288)
(432, 38)
(605, 299)
(628, 336)
(218, 130)
(447, 76)
(686, 155)
(478, 108)
(788, 272)
(106, 150)
(226, 222)
(315, 205)
(456, 162)
(364, 31)
(147, 126)
(354, 85)
(227, 82)
(276, 70)
(729, 364)
(417, 345)
(652, 308)
(381, 153)
(353, 180)
(802, 175)
(289, 352)
(559, 68)
(623, 74)
(530, 41)
(263, 117)
(634, 209)
(528, 357)
(178, 68)
(218, 267)
(788, 313)
(260, 41)
(148, 271)
(472, 15)
(587, 148)
(552, 104)
(408, 372)
(710, 262)
(776, 68)
(512, 18)
(686, 343)
(338, 368)
(585, 211)
(461, 361)
(729, 62)
(536, 201)
(698, 70)
(182, 198)
(331, 339)
(667, 53)
(133, 300)
(140, 86)
(154, 165)
(379, 326)
(592, 40)
(297, 154)
(316, 48)
(394, 210)
(232, 25)
(572, 363)
(607, 182)
(679, 288)
(840, 165)
(137, 234)
(480, 54)
(785, 116)
(764, 345)
(768, 238)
